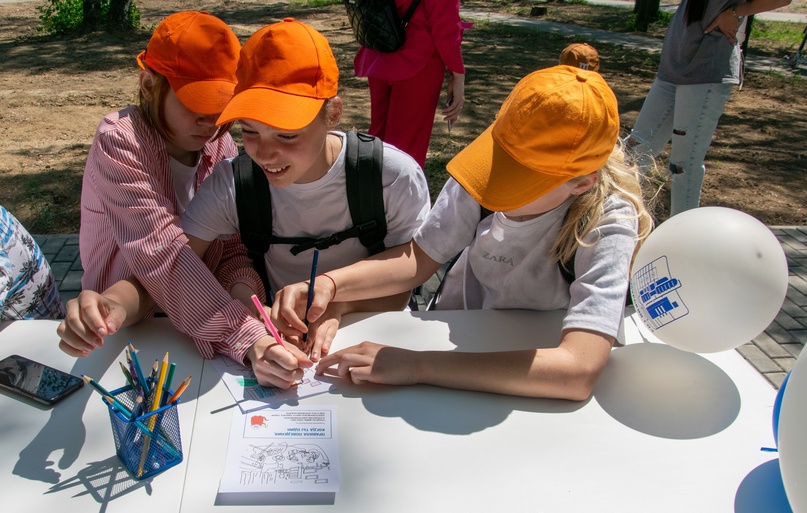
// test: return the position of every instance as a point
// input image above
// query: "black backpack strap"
(365, 197)
(409, 12)
(483, 213)
(253, 202)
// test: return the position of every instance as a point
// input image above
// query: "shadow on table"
(104, 480)
(762, 490)
(668, 393)
(64, 430)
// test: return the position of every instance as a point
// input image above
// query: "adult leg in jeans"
(697, 111)
(653, 127)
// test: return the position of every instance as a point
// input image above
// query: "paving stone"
(759, 360)
(775, 378)
(798, 283)
(796, 296)
(72, 281)
(794, 349)
(770, 347)
(793, 310)
(785, 363)
(787, 322)
(60, 270)
(68, 253)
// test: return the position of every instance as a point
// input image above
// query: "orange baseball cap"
(198, 54)
(287, 71)
(557, 124)
(581, 55)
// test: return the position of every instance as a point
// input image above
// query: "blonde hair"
(617, 176)
(152, 107)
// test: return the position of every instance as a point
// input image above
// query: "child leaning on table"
(286, 102)
(550, 169)
(145, 164)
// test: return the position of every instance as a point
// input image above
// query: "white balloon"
(792, 427)
(709, 279)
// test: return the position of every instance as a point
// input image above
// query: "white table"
(63, 458)
(664, 431)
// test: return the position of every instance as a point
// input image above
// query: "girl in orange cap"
(144, 166)
(552, 172)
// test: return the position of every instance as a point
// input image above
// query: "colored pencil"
(138, 371)
(181, 388)
(104, 392)
(266, 321)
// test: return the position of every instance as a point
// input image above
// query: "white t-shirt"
(315, 209)
(184, 178)
(506, 263)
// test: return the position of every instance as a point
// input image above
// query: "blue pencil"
(311, 289)
(138, 371)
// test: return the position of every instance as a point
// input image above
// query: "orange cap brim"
(203, 96)
(274, 108)
(496, 180)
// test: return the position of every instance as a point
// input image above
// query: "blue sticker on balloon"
(658, 302)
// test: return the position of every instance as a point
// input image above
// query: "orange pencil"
(181, 388)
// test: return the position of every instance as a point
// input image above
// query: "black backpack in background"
(363, 163)
(376, 24)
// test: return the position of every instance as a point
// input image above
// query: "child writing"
(144, 166)
(551, 171)
(286, 102)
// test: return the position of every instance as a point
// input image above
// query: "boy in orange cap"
(550, 169)
(144, 165)
(286, 102)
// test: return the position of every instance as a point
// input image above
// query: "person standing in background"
(701, 62)
(405, 85)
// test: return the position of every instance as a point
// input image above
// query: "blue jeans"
(687, 114)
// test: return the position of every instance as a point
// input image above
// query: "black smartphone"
(37, 381)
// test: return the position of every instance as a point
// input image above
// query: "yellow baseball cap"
(557, 124)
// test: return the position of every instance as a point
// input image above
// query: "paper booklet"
(251, 396)
(281, 456)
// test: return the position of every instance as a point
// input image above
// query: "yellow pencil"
(155, 404)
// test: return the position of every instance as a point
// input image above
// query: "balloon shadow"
(668, 393)
(762, 490)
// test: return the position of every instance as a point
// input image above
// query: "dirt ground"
(55, 90)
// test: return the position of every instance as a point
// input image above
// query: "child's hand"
(275, 365)
(369, 362)
(90, 317)
(288, 309)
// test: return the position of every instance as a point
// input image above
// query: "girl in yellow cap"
(551, 170)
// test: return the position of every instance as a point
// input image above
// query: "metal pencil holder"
(150, 443)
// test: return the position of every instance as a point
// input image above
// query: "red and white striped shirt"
(130, 227)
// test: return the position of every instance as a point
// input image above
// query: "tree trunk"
(92, 14)
(646, 13)
(119, 14)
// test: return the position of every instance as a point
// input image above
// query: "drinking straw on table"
(266, 321)
(310, 290)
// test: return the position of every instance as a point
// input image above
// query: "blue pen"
(311, 289)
